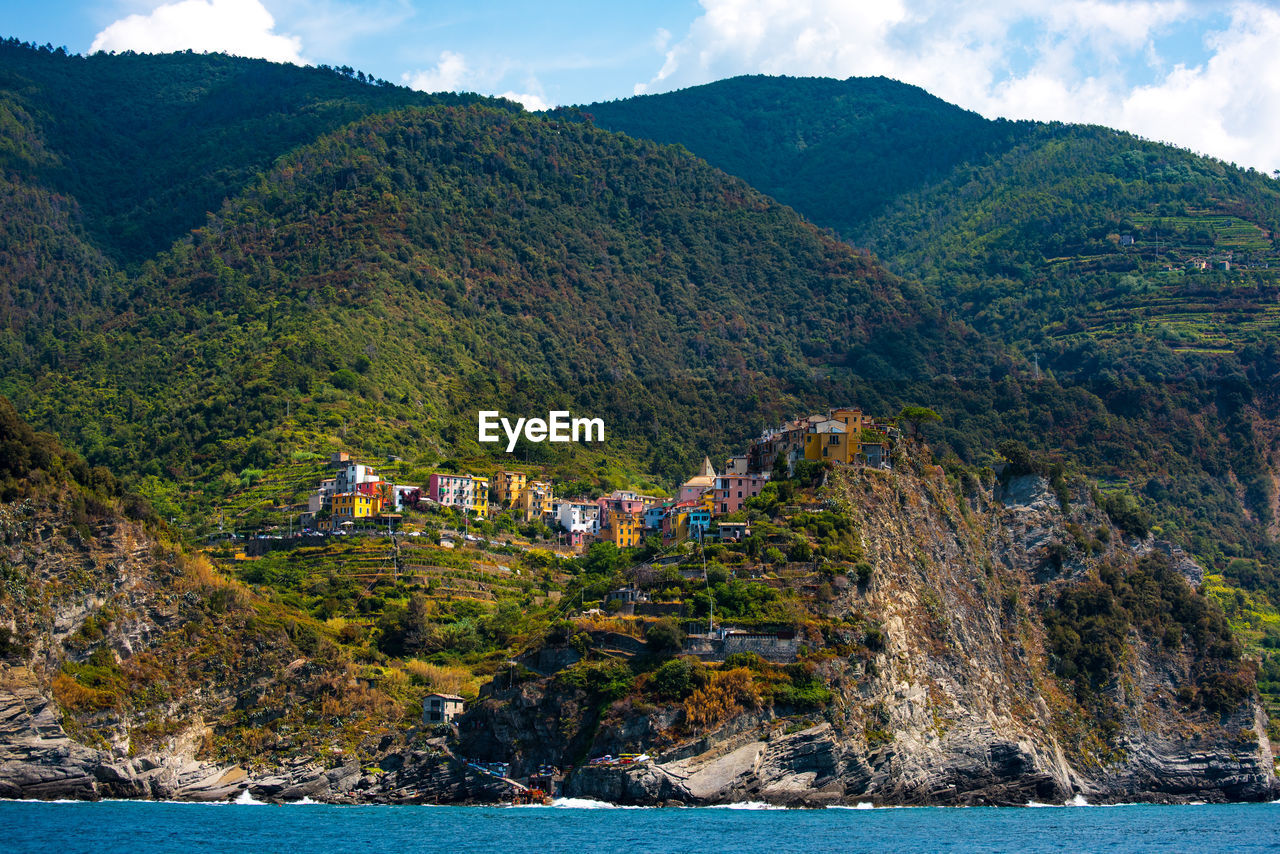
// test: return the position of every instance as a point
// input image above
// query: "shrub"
(1124, 511)
(608, 680)
(664, 636)
(727, 693)
(676, 678)
(345, 379)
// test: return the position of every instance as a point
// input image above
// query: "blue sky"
(1203, 75)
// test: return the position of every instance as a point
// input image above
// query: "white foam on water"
(247, 799)
(1077, 801)
(747, 805)
(580, 804)
(860, 805)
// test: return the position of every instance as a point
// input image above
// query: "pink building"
(698, 485)
(733, 490)
(450, 490)
(627, 503)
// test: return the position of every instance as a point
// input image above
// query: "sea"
(585, 827)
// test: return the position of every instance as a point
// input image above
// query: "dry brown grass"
(198, 573)
(729, 692)
(74, 697)
(622, 625)
(442, 679)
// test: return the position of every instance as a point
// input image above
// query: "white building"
(579, 517)
(441, 708)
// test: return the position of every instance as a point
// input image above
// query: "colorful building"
(351, 475)
(507, 486)
(831, 440)
(654, 515)
(626, 530)
(687, 520)
(623, 501)
(479, 503)
(853, 419)
(732, 491)
(349, 506)
(536, 500)
(451, 490)
(580, 520)
(700, 484)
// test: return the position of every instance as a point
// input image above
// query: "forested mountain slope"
(147, 143)
(838, 151)
(1137, 273)
(379, 283)
(382, 283)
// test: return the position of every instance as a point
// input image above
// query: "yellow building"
(536, 499)
(852, 419)
(479, 497)
(626, 529)
(352, 505)
(830, 441)
(508, 485)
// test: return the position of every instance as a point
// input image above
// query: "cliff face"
(73, 580)
(954, 672)
(967, 700)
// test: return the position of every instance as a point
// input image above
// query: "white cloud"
(530, 100)
(240, 27)
(452, 73)
(1073, 60)
(1230, 105)
(449, 75)
(330, 27)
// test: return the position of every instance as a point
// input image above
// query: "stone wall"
(768, 647)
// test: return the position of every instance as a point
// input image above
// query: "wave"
(747, 805)
(584, 804)
(247, 799)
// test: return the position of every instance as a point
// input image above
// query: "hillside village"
(357, 497)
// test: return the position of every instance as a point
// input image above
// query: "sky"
(1201, 74)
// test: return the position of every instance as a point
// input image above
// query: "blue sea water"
(163, 828)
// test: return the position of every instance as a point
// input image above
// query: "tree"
(917, 416)
(665, 636)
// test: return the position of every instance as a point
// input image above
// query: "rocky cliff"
(968, 696)
(994, 646)
(153, 711)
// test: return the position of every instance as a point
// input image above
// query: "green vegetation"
(1087, 625)
(347, 264)
(467, 257)
(1079, 247)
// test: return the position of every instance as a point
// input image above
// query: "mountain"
(838, 151)
(376, 268)
(379, 282)
(383, 281)
(1138, 274)
(146, 144)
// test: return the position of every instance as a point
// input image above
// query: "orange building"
(507, 486)
(626, 530)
